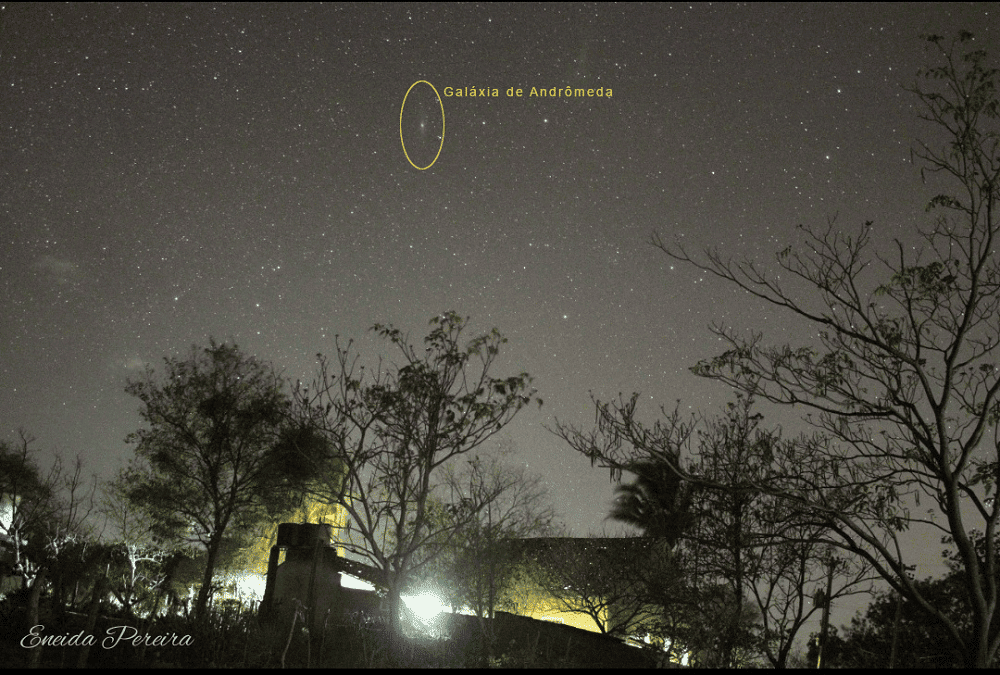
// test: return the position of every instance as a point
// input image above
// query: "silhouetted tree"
(657, 501)
(27, 502)
(772, 560)
(136, 556)
(742, 574)
(494, 503)
(896, 632)
(604, 578)
(208, 460)
(660, 504)
(44, 525)
(901, 380)
(393, 432)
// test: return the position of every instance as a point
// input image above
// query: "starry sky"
(174, 172)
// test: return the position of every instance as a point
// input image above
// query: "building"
(591, 584)
(306, 572)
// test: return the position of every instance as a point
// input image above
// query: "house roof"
(360, 570)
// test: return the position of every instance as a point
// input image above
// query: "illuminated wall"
(535, 603)
(253, 559)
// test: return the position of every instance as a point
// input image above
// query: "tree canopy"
(394, 430)
(901, 382)
(896, 632)
(209, 461)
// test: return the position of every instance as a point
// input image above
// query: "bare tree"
(27, 502)
(42, 513)
(137, 554)
(745, 566)
(494, 503)
(68, 532)
(902, 382)
(604, 578)
(772, 561)
(797, 574)
(43, 522)
(394, 431)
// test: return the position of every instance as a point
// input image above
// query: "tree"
(895, 632)
(902, 380)
(394, 431)
(27, 502)
(660, 504)
(43, 515)
(746, 564)
(137, 558)
(724, 544)
(43, 524)
(657, 501)
(494, 505)
(604, 578)
(772, 562)
(209, 465)
(798, 576)
(67, 532)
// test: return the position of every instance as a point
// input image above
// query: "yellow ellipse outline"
(403, 142)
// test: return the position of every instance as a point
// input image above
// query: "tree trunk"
(35, 660)
(395, 605)
(95, 606)
(206, 583)
(395, 623)
(58, 596)
(129, 591)
(977, 650)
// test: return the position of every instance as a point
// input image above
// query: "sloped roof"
(360, 570)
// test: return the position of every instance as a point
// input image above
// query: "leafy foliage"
(208, 460)
(895, 631)
(657, 501)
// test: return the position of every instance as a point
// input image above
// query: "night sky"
(174, 172)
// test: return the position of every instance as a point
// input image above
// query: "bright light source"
(251, 585)
(347, 581)
(426, 605)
